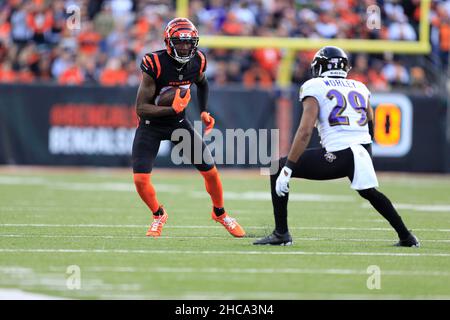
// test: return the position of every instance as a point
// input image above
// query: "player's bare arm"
(301, 141)
(369, 112)
(146, 93)
(370, 119)
(305, 129)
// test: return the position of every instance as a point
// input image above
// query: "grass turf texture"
(50, 220)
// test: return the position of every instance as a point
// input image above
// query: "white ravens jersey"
(343, 107)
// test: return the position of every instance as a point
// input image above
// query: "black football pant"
(318, 164)
(149, 136)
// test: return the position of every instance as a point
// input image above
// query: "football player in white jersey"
(340, 109)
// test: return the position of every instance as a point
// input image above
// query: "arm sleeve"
(202, 94)
(202, 86)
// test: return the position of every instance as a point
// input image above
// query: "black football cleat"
(275, 239)
(411, 241)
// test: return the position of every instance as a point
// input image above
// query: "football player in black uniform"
(180, 65)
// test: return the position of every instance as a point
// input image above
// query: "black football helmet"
(331, 62)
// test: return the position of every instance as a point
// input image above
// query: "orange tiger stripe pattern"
(202, 57)
(158, 65)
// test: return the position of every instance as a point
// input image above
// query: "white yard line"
(261, 271)
(417, 207)
(209, 252)
(16, 294)
(113, 237)
(84, 186)
(199, 227)
(265, 196)
(323, 295)
(253, 195)
(205, 237)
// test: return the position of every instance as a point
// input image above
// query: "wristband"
(290, 164)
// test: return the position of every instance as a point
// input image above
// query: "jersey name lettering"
(339, 83)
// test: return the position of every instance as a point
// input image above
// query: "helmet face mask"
(181, 39)
(183, 49)
(330, 61)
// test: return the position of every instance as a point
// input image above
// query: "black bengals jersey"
(167, 72)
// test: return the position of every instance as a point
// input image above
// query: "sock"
(146, 191)
(280, 205)
(160, 212)
(384, 206)
(219, 211)
(214, 186)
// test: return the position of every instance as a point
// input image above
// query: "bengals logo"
(184, 35)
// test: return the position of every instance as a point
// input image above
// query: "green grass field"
(52, 219)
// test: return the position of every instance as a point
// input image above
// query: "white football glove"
(282, 185)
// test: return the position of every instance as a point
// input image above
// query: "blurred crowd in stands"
(74, 42)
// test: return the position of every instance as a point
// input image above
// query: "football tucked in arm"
(166, 97)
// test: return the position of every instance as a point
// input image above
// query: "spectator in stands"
(327, 27)
(73, 75)
(234, 72)
(59, 19)
(126, 29)
(134, 75)
(257, 77)
(113, 74)
(377, 80)
(301, 72)
(5, 26)
(359, 69)
(61, 63)
(268, 59)
(28, 59)
(104, 22)
(88, 39)
(442, 22)
(7, 74)
(418, 78)
(220, 73)
(118, 40)
(25, 75)
(232, 26)
(40, 21)
(395, 73)
(3, 51)
(401, 29)
(20, 31)
(43, 68)
(91, 72)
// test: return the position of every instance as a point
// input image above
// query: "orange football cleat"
(230, 224)
(158, 223)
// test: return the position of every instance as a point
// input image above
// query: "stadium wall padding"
(94, 126)
(425, 129)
